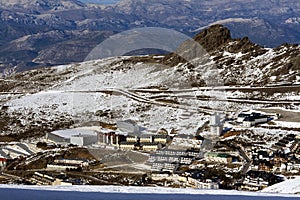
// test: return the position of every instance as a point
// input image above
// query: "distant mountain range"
(36, 33)
(103, 2)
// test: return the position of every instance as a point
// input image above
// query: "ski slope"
(291, 186)
(16, 192)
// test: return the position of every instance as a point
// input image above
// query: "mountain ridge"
(40, 6)
(140, 87)
(269, 24)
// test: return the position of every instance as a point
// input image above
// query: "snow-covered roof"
(68, 133)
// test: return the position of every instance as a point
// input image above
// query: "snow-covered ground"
(288, 124)
(9, 192)
(108, 84)
(291, 186)
(80, 96)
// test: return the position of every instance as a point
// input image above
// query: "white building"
(60, 167)
(83, 140)
(80, 162)
(127, 145)
(151, 146)
(64, 136)
(216, 126)
(252, 118)
(207, 184)
(217, 157)
(215, 119)
(216, 130)
(254, 184)
(252, 121)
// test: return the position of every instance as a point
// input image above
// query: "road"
(243, 153)
(142, 99)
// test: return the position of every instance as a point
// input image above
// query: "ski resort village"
(245, 151)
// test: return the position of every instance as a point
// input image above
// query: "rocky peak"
(218, 37)
(213, 37)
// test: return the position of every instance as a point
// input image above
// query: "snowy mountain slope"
(291, 186)
(242, 62)
(156, 91)
(88, 91)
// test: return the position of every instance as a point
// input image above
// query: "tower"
(216, 126)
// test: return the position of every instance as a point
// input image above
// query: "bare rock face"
(213, 37)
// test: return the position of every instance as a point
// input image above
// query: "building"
(163, 158)
(252, 121)
(3, 163)
(58, 137)
(249, 119)
(111, 138)
(45, 179)
(205, 184)
(64, 136)
(83, 140)
(216, 130)
(146, 139)
(242, 116)
(193, 152)
(143, 142)
(169, 177)
(183, 142)
(186, 160)
(132, 139)
(150, 146)
(62, 167)
(163, 139)
(105, 137)
(170, 159)
(67, 164)
(215, 119)
(174, 152)
(264, 165)
(216, 157)
(295, 146)
(254, 184)
(216, 125)
(74, 161)
(164, 166)
(127, 145)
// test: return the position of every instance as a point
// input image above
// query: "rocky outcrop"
(213, 37)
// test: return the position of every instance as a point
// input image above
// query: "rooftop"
(68, 133)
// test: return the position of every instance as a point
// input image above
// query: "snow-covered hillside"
(157, 91)
(291, 186)
(101, 86)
